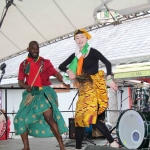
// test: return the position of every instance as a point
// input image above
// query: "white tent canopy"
(44, 20)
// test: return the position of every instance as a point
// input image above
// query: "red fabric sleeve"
(21, 75)
(50, 69)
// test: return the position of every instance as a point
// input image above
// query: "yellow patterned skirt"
(92, 100)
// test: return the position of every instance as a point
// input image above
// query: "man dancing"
(38, 114)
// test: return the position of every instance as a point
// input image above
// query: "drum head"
(131, 129)
(2, 124)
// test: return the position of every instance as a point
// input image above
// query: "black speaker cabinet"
(71, 129)
(95, 132)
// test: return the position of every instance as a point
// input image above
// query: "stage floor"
(52, 144)
(44, 144)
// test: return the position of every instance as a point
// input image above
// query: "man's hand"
(29, 88)
(66, 85)
(23, 85)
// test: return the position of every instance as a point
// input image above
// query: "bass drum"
(133, 129)
(2, 124)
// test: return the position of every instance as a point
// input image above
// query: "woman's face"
(81, 40)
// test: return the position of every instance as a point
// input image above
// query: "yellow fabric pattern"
(92, 100)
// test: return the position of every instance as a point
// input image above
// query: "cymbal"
(133, 83)
(138, 83)
(141, 86)
(123, 83)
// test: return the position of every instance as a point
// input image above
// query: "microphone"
(3, 66)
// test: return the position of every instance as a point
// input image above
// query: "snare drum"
(2, 124)
(133, 129)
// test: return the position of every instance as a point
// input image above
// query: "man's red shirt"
(48, 70)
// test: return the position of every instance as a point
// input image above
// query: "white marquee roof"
(44, 20)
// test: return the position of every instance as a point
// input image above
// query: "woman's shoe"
(114, 144)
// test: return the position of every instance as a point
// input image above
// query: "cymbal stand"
(120, 111)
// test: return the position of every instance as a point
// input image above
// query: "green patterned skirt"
(29, 116)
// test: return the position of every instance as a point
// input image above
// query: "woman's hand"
(111, 83)
(71, 74)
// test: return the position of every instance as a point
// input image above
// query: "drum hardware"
(123, 83)
(140, 98)
(133, 83)
(140, 91)
(139, 83)
(133, 129)
(120, 111)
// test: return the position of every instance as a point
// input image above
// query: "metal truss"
(120, 20)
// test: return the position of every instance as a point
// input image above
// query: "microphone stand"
(8, 4)
(2, 74)
(73, 99)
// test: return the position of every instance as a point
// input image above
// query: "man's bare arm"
(24, 86)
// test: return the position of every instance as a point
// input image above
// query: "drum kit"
(133, 125)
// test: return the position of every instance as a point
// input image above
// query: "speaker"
(91, 147)
(96, 133)
(71, 129)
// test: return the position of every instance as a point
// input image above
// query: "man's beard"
(31, 55)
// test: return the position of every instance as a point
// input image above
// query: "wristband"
(109, 80)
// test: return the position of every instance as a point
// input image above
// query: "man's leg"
(25, 140)
(48, 115)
